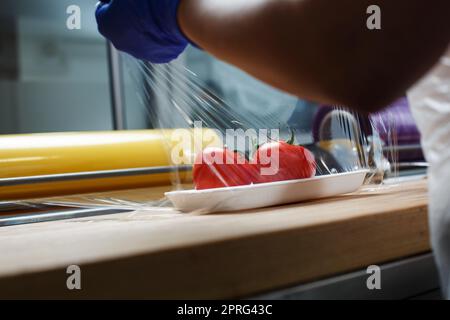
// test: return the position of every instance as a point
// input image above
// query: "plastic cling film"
(219, 156)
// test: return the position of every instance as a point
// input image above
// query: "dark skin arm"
(321, 49)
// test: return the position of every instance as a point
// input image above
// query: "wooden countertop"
(159, 253)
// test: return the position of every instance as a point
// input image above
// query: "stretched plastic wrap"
(205, 155)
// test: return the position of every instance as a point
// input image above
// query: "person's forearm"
(320, 49)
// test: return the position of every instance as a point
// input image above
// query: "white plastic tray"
(266, 194)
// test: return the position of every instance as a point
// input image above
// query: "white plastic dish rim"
(266, 184)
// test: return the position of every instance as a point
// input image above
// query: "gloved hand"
(146, 29)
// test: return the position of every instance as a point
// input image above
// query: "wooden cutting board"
(160, 253)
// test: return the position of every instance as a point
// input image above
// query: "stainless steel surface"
(405, 279)
(417, 164)
(7, 182)
(12, 220)
(10, 206)
(408, 147)
(117, 88)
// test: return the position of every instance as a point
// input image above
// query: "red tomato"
(283, 161)
(219, 168)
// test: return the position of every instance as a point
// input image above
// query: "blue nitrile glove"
(146, 29)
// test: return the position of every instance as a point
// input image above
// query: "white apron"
(430, 104)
